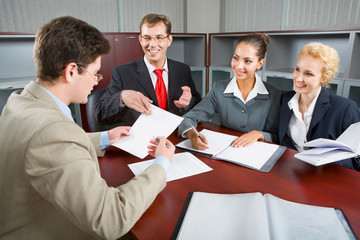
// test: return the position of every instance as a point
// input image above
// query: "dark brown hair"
(64, 40)
(258, 41)
(153, 19)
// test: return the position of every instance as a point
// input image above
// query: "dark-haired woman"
(244, 103)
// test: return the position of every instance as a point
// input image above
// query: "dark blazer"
(332, 116)
(135, 76)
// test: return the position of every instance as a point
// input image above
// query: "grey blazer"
(260, 113)
(50, 180)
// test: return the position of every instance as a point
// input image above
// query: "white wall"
(203, 16)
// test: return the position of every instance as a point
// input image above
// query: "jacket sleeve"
(271, 129)
(62, 167)
(95, 139)
(109, 108)
(202, 112)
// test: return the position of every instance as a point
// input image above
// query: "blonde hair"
(328, 57)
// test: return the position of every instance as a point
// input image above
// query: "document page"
(327, 143)
(321, 156)
(159, 123)
(182, 165)
(290, 219)
(351, 137)
(217, 142)
(225, 216)
(255, 155)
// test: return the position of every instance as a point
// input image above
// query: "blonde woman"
(310, 111)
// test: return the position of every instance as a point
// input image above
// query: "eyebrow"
(250, 58)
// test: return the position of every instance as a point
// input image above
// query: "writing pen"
(198, 134)
(158, 140)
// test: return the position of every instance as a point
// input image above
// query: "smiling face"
(245, 62)
(307, 75)
(155, 52)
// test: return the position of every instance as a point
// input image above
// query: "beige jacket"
(50, 183)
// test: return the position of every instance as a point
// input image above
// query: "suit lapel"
(321, 107)
(143, 78)
(172, 80)
(286, 114)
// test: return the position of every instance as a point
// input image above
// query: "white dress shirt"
(259, 87)
(154, 76)
(298, 127)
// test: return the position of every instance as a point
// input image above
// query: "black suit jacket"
(135, 76)
(332, 116)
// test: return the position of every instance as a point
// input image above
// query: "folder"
(260, 156)
(256, 216)
(323, 151)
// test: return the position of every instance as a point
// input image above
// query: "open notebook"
(256, 216)
(323, 151)
(260, 156)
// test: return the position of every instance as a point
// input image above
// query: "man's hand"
(136, 100)
(162, 148)
(118, 133)
(185, 98)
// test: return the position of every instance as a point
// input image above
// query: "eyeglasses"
(98, 76)
(157, 38)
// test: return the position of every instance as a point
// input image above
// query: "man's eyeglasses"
(157, 38)
(98, 76)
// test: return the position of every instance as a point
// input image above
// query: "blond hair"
(328, 57)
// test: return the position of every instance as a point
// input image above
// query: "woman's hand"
(247, 139)
(196, 141)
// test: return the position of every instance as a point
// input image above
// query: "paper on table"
(217, 142)
(255, 155)
(182, 165)
(159, 123)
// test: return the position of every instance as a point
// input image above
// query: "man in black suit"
(132, 86)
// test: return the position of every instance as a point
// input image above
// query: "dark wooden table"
(291, 179)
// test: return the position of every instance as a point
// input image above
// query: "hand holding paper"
(159, 123)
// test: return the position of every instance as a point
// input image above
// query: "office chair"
(4, 95)
(94, 124)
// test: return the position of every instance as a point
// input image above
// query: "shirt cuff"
(183, 134)
(163, 161)
(104, 140)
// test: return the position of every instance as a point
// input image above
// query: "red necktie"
(160, 89)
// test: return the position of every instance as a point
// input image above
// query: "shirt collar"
(259, 88)
(151, 68)
(294, 104)
(63, 107)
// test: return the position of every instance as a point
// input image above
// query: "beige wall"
(203, 16)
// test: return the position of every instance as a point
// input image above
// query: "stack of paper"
(324, 151)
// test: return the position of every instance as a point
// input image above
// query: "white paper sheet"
(216, 142)
(225, 216)
(325, 151)
(182, 165)
(255, 155)
(159, 123)
(290, 220)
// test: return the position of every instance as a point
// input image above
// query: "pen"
(198, 134)
(158, 140)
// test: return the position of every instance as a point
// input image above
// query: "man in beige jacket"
(50, 183)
